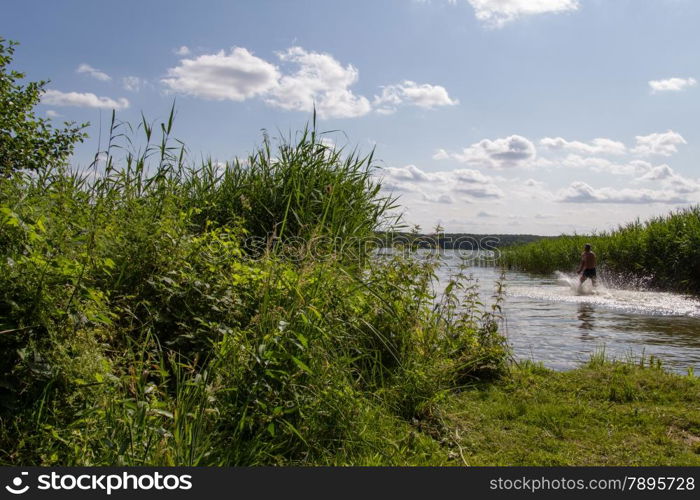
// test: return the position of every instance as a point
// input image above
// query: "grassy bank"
(662, 252)
(605, 413)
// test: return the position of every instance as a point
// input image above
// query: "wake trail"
(565, 288)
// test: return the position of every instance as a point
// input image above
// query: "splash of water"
(578, 288)
(638, 300)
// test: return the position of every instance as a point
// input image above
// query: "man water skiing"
(587, 267)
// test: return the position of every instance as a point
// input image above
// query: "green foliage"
(26, 141)
(297, 192)
(663, 252)
(140, 327)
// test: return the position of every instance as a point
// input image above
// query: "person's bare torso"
(588, 260)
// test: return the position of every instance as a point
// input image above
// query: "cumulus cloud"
(597, 164)
(95, 73)
(663, 144)
(444, 199)
(497, 13)
(596, 155)
(440, 186)
(671, 84)
(479, 190)
(406, 178)
(512, 151)
(670, 179)
(304, 80)
(658, 173)
(82, 100)
(597, 146)
(425, 96)
(236, 76)
(319, 80)
(52, 114)
(182, 51)
(580, 192)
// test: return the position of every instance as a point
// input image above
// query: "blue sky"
(517, 116)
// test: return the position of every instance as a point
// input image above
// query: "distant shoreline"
(450, 241)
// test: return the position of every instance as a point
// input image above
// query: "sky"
(486, 116)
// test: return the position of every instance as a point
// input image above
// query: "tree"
(26, 141)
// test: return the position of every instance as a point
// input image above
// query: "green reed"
(662, 252)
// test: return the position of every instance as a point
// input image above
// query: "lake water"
(546, 319)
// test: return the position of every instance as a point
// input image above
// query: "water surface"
(547, 319)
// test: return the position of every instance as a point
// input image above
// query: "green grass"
(662, 252)
(605, 413)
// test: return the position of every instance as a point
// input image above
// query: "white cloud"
(314, 80)
(597, 164)
(320, 80)
(444, 199)
(513, 151)
(52, 114)
(439, 186)
(422, 95)
(580, 192)
(599, 145)
(235, 76)
(664, 144)
(671, 84)
(133, 83)
(634, 167)
(518, 151)
(497, 13)
(182, 51)
(658, 173)
(404, 178)
(479, 190)
(670, 179)
(95, 73)
(82, 100)
(465, 176)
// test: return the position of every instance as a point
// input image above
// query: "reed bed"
(663, 252)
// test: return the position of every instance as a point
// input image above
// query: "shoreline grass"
(603, 413)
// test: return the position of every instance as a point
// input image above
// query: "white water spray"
(567, 288)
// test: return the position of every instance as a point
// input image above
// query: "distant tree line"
(463, 241)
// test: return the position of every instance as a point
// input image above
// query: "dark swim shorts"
(589, 273)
